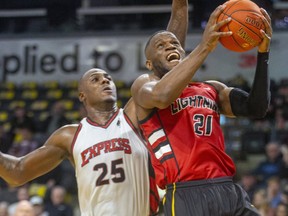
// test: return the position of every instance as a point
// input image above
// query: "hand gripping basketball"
(246, 23)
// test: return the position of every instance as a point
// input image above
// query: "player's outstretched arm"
(17, 171)
(178, 23)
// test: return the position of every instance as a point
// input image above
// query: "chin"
(111, 99)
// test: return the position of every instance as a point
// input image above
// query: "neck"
(102, 116)
(113, 110)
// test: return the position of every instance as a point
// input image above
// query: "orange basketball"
(246, 24)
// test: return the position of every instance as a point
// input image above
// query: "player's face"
(164, 52)
(98, 86)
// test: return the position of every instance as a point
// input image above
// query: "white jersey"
(111, 165)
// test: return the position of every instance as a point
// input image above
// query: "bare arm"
(224, 100)
(18, 171)
(150, 92)
(178, 23)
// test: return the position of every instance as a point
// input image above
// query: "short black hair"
(150, 38)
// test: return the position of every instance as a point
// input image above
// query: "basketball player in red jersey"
(108, 156)
(180, 121)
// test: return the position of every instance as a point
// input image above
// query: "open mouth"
(173, 57)
(107, 89)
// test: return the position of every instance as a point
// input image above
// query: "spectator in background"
(4, 208)
(5, 140)
(281, 210)
(57, 205)
(24, 208)
(38, 205)
(55, 119)
(22, 194)
(20, 119)
(284, 165)
(249, 183)
(260, 201)
(284, 197)
(41, 184)
(270, 166)
(64, 174)
(25, 142)
(5, 144)
(274, 192)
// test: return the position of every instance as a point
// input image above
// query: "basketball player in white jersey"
(110, 159)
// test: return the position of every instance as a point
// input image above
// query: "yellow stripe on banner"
(173, 199)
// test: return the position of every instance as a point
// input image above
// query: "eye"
(95, 79)
(176, 43)
(160, 46)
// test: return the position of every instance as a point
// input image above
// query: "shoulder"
(67, 130)
(144, 78)
(63, 137)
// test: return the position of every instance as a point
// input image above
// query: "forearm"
(256, 103)
(260, 91)
(178, 23)
(17, 171)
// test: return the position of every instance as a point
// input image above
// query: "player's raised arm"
(178, 23)
(236, 102)
(17, 171)
(166, 58)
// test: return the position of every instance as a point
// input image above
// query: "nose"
(170, 46)
(105, 80)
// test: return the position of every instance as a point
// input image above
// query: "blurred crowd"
(51, 194)
(20, 201)
(55, 193)
(68, 20)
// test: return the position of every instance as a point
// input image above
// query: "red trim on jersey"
(132, 126)
(90, 121)
(75, 136)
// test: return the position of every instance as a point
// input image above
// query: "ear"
(81, 97)
(149, 65)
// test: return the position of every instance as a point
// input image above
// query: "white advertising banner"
(61, 59)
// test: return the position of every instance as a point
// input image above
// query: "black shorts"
(211, 197)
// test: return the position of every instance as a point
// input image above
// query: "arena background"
(47, 45)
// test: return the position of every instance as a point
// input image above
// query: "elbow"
(164, 96)
(162, 101)
(17, 176)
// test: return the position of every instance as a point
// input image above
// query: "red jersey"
(186, 140)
